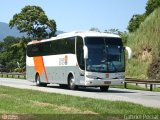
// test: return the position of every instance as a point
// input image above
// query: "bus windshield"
(105, 54)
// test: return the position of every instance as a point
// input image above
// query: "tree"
(8, 41)
(13, 53)
(151, 6)
(19, 50)
(94, 29)
(123, 35)
(135, 22)
(113, 31)
(33, 21)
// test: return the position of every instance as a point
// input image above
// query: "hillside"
(145, 43)
(6, 31)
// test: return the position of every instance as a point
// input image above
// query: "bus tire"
(38, 81)
(71, 83)
(104, 88)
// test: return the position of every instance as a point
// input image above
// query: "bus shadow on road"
(99, 91)
(90, 89)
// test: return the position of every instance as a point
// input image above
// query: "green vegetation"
(20, 76)
(136, 87)
(33, 21)
(151, 6)
(13, 53)
(145, 43)
(137, 19)
(130, 86)
(38, 105)
(135, 22)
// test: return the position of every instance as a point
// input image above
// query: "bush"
(19, 70)
(151, 6)
(154, 69)
(135, 22)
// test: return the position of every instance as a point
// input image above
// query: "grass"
(145, 44)
(12, 76)
(136, 87)
(131, 86)
(41, 105)
(137, 69)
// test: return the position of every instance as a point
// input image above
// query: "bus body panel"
(56, 68)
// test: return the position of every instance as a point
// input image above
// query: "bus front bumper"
(100, 82)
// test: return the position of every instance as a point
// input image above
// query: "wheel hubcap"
(72, 82)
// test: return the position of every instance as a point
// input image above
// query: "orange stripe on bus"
(39, 66)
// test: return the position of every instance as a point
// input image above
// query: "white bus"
(89, 59)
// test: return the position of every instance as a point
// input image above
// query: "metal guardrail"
(139, 81)
(13, 75)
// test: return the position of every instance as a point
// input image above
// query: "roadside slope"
(145, 43)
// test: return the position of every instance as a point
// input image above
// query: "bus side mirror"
(85, 49)
(129, 52)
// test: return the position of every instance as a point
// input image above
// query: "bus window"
(79, 50)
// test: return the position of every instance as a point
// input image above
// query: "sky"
(80, 15)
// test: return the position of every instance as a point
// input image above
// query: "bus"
(77, 59)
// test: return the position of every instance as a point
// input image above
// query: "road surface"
(146, 98)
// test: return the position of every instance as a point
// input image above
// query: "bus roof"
(75, 33)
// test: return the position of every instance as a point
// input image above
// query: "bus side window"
(46, 49)
(79, 52)
(33, 50)
(70, 45)
(29, 50)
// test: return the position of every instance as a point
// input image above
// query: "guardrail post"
(146, 85)
(151, 87)
(125, 84)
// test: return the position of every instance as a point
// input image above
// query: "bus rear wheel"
(71, 83)
(104, 88)
(38, 81)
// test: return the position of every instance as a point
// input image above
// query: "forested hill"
(6, 31)
(145, 43)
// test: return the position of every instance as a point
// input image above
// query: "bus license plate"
(107, 82)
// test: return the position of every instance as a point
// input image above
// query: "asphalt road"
(146, 98)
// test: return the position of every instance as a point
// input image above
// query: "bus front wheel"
(104, 88)
(71, 83)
